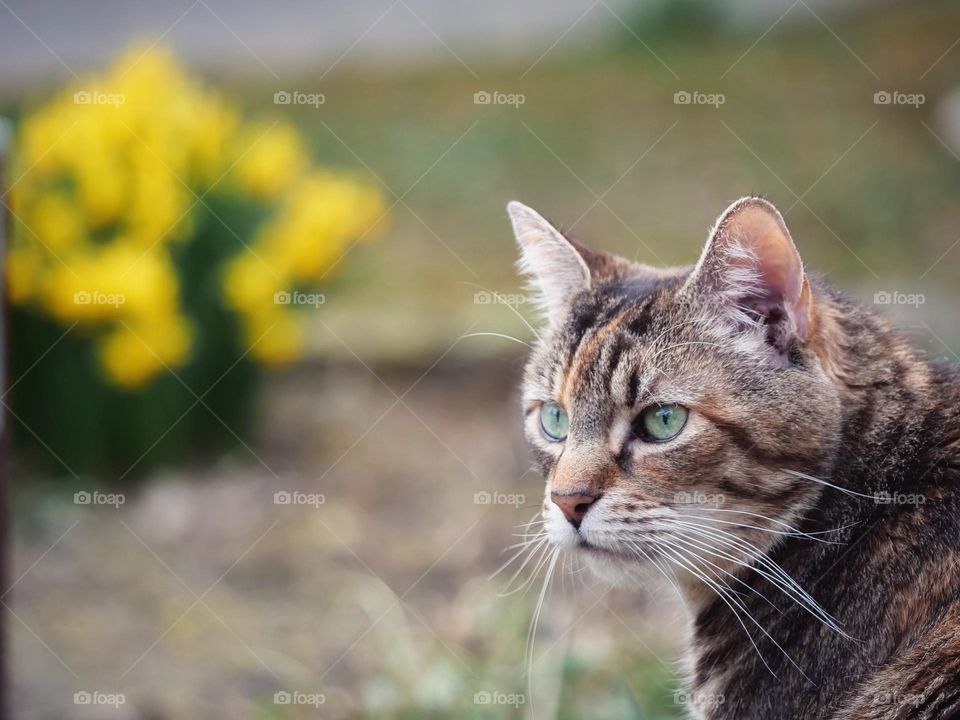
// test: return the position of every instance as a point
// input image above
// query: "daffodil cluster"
(111, 176)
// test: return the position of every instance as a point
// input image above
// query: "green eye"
(659, 423)
(554, 422)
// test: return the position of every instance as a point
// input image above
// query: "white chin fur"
(611, 569)
(559, 531)
(615, 571)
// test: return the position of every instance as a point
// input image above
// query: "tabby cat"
(775, 449)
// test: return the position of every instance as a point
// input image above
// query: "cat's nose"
(574, 507)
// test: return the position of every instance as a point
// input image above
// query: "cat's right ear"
(556, 269)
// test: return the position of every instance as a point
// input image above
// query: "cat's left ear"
(752, 268)
(557, 270)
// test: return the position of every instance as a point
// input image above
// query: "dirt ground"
(201, 596)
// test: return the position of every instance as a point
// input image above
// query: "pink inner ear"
(777, 260)
(752, 237)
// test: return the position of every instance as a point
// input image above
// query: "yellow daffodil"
(133, 354)
(119, 177)
(270, 159)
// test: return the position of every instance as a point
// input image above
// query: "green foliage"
(674, 20)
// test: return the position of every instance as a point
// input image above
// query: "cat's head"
(673, 409)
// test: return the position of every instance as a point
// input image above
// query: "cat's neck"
(898, 459)
(897, 405)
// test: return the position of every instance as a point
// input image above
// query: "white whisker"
(706, 547)
(671, 578)
(768, 568)
(827, 484)
(496, 334)
(789, 527)
(788, 533)
(509, 306)
(535, 621)
(731, 602)
(533, 551)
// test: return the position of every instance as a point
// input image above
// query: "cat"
(775, 449)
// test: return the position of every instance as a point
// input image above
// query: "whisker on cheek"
(531, 635)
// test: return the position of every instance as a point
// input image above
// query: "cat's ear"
(752, 268)
(556, 268)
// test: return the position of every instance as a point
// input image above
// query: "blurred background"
(264, 334)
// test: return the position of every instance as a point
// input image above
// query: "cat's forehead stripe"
(578, 371)
(601, 356)
(603, 330)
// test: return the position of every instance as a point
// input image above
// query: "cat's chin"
(611, 567)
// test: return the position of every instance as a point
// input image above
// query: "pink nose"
(574, 507)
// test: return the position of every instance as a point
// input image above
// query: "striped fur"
(809, 595)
